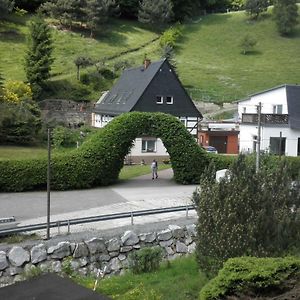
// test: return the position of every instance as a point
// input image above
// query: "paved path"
(135, 194)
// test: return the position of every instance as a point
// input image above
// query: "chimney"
(147, 63)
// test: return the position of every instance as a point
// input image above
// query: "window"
(159, 99)
(277, 109)
(244, 110)
(277, 145)
(169, 100)
(148, 145)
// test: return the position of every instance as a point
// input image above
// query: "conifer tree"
(155, 11)
(6, 6)
(38, 58)
(256, 7)
(285, 14)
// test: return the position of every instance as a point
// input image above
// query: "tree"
(38, 58)
(246, 213)
(155, 11)
(6, 6)
(81, 62)
(168, 53)
(285, 13)
(247, 44)
(97, 12)
(20, 118)
(256, 7)
(1, 86)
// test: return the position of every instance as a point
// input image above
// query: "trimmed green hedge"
(99, 160)
(251, 276)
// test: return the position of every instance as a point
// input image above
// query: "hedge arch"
(99, 160)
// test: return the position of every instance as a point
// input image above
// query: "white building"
(280, 121)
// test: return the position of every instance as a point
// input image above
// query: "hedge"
(246, 276)
(99, 160)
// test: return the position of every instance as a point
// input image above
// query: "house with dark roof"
(153, 87)
(279, 118)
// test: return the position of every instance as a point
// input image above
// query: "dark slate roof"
(48, 287)
(136, 85)
(129, 88)
(293, 102)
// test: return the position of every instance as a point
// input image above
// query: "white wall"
(267, 99)
(247, 132)
(136, 150)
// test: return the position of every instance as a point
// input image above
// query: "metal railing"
(61, 223)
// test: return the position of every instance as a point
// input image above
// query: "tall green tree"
(97, 12)
(156, 11)
(6, 6)
(285, 13)
(38, 58)
(256, 7)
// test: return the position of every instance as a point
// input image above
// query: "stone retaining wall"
(87, 257)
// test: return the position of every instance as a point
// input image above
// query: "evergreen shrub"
(145, 260)
(247, 213)
(99, 160)
(248, 276)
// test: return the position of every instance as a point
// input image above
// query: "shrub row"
(99, 160)
(246, 276)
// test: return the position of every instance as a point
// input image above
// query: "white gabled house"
(280, 121)
(153, 87)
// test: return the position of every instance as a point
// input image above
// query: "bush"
(93, 165)
(65, 137)
(247, 214)
(251, 276)
(145, 260)
(170, 36)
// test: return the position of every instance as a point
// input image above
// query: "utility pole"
(258, 136)
(48, 184)
(280, 144)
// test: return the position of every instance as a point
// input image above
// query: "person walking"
(154, 167)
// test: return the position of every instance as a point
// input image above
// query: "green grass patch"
(132, 171)
(209, 57)
(179, 279)
(16, 153)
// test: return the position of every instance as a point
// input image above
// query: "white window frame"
(146, 148)
(172, 99)
(277, 109)
(159, 99)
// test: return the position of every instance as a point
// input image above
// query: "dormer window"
(159, 99)
(169, 99)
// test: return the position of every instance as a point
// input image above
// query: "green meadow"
(208, 57)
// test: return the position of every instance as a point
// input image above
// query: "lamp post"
(48, 183)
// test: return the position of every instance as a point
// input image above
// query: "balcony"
(266, 119)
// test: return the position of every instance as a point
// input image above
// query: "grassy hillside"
(209, 59)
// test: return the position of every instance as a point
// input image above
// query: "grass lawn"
(113, 38)
(209, 56)
(180, 279)
(16, 152)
